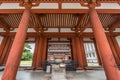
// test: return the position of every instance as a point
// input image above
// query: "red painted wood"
(83, 53)
(17, 49)
(79, 52)
(39, 53)
(74, 49)
(117, 59)
(8, 50)
(44, 49)
(5, 51)
(116, 45)
(4, 41)
(98, 54)
(35, 52)
(110, 66)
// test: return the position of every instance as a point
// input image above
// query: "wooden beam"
(4, 26)
(56, 1)
(56, 34)
(56, 11)
(86, 26)
(39, 22)
(33, 26)
(117, 24)
(80, 21)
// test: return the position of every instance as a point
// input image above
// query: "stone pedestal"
(58, 73)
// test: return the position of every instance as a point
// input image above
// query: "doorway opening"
(59, 50)
(27, 55)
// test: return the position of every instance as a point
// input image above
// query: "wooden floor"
(79, 75)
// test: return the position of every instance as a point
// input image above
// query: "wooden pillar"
(116, 46)
(83, 53)
(5, 51)
(39, 53)
(44, 49)
(74, 49)
(35, 52)
(17, 48)
(98, 54)
(110, 67)
(116, 56)
(79, 53)
(3, 44)
(8, 50)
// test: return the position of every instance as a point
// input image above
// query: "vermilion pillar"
(8, 50)
(5, 50)
(83, 52)
(44, 49)
(39, 53)
(79, 53)
(17, 49)
(116, 46)
(98, 54)
(110, 67)
(2, 47)
(116, 56)
(74, 49)
(35, 52)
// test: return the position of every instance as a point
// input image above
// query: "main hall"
(59, 39)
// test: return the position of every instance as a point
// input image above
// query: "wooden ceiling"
(75, 19)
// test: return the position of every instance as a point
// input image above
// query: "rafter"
(80, 20)
(4, 26)
(117, 24)
(33, 26)
(86, 26)
(38, 20)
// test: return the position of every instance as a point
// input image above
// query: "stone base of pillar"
(39, 68)
(79, 68)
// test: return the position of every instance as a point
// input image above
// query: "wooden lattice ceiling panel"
(59, 20)
(13, 19)
(107, 19)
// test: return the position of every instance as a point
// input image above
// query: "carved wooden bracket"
(28, 5)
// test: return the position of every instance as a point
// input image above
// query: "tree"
(27, 54)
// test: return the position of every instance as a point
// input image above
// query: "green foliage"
(27, 54)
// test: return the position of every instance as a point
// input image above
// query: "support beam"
(86, 26)
(110, 66)
(62, 1)
(17, 49)
(4, 26)
(116, 25)
(33, 26)
(37, 19)
(81, 18)
(46, 11)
